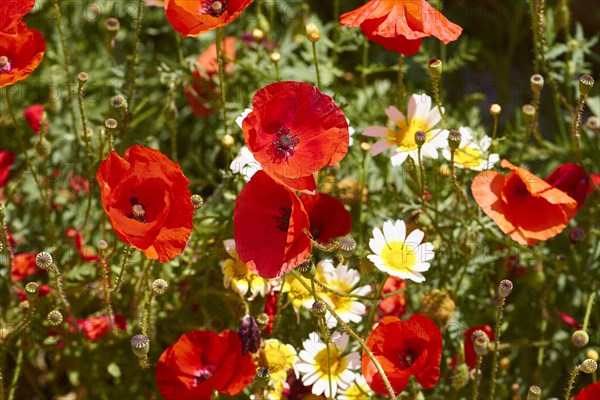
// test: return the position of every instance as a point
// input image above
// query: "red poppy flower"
(43, 290)
(271, 309)
(203, 91)
(147, 200)
(23, 265)
(568, 319)
(470, 354)
(192, 18)
(401, 25)
(327, 215)
(85, 254)
(524, 206)
(201, 362)
(393, 305)
(13, 11)
(271, 227)
(95, 327)
(590, 392)
(79, 184)
(21, 52)
(404, 349)
(7, 159)
(295, 130)
(34, 115)
(573, 180)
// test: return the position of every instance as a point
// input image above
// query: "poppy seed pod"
(505, 288)
(576, 234)
(159, 286)
(54, 317)
(43, 260)
(197, 201)
(263, 376)
(580, 338)
(593, 354)
(454, 138)
(307, 269)
(534, 393)
(586, 83)
(31, 290)
(481, 342)
(140, 345)
(537, 83)
(318, 308)
(421, 138)
(589, 366)
(347, 246)
(435, 67)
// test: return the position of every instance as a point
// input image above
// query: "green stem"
(120, 278)
(501, 301)
(105, 287)
(575, 128)
(336, 31)
(536, 119)
(316, 61)
(16, 374)
(4, 235)
(354, 335)
(220, 42)
(88, 159)
(459, 190)
(477, 378)
(574, 374)
(340, 294)
(421, 174)
(534, 31)
(179, 50)
(134, 54)
(147, 317)
(588, 311)
(438, 100)
(60, 288)
(400, 81)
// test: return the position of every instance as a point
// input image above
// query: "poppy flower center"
(204, 373)
(5, 65)
(407, 359)
(215, 8)
(138, 212)
(282, 221)
(284, 144)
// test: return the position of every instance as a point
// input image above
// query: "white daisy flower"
(358, 390)
(421, 117)
(245, 164)
(342, 279)
(315, 367)
(471, 152)
(399, 255)
(351, 132)
(237, 275)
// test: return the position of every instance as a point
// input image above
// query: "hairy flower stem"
(400, 82)
(421, 174)
(571, 381)
(575, 128)
(147, 315)
(438, 100)
(4, 235)
(316, 61)
(336, 31)
(535, 33)
(106, 287)
(120, 278)
(459, 190)
(494, 134)
(58, 283)
(501, 301)
(16, 374)
(131, 72)
(220, 43)
(89, 156)
(477, 378)
(354, 335)
(588, 311)
(536, 120)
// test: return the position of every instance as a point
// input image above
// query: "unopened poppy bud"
(140, 345)
(43, 260)
(435, 67)
(102, 245)
(318, 308)
(258, 35)
(307, 269)
(420, 138)
(54, 317)
(454, 138)
(312, 33)
(111, 123)
(347, 246)
(262, 320)
(576, 235)
(43, 147)
(365, 146)
(197, 201)
(249, 333)
(119, 102)
(528, 112)
(593, 124)
(112, 25)
(31, 290)
(589, 366)
(24, 306)
(228, 141)
(495, 109)
(159, 286)
(481, 341)
(537, 83)
(461, 376)
(504, 363)
(580, 338)
(275, 57)
(586, 83)
(82, 77)
(505, 288)
(593, 354)
(263, 376)
(534, 393)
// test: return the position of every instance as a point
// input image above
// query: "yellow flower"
(279, 358)
(237, 275)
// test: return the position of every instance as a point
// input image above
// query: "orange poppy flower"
(23, 265)
(21, 52)
(96, 327)
(400, 25)
(13, 11)
(524, 206)
(147, 200)
(192, 18)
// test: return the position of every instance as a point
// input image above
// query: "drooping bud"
(586, 83)
(249, 333)
(197, 201)
(505, 288)
(43, 260)
(461, 376)
(495, 109)
(140, 345)
(534, 393)
(347, 246)
(454, 138)
(54, 317)
(43, 147)
(580, 338)
(159, 286)
(537, 83)
(318, 308)
(312, 33)
(435, 67)
(589, 366)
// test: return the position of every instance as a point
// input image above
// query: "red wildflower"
(95, 327)
(393, 305)
(271, 309)
(295, 130)
(201, 362)
(13, 11)
(147, 200)
(404, 349)
(590, 392)
(34, 115)
(85, 254)
(23, 265)
(470, 355)
(328, 217)
(203, 90)
(192, 18)
(568, 319)
(270, 227)
(523, 205)
(573, 180)
(78, 183)
(401, 25)
(43, 290)
(7, 158)
(21, 52)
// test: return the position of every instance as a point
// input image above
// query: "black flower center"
(284, 145)
(521, 189)
(282, 221)
(407, 359)
(215, 8)
(5, 65)
(138, 212)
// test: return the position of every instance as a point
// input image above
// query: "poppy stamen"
(407, 359)
(204, 373)
(215, 8)
(138, 212)
(282, 221)
(284, 144)
(5, 65)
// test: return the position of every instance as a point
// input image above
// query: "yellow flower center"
(340, 304)
(399, 256)
(468, 157)
(337, 362)
(404, 138)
